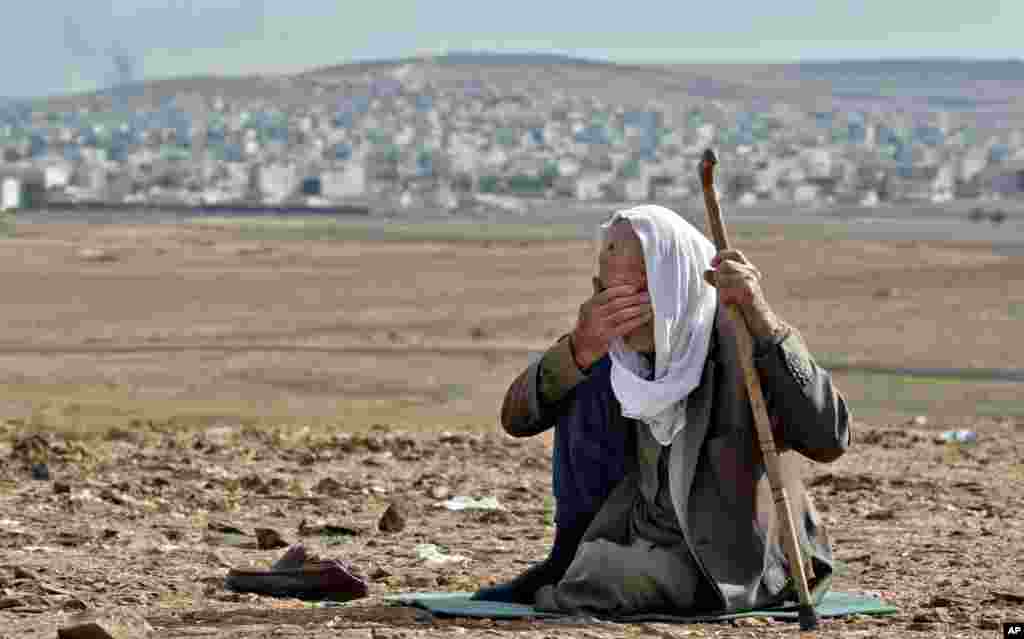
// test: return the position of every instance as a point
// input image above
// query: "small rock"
(61, 488)
(40, 472)
(254, 484)
(74, 604)
(882, 515)
(10, 602)
(393, 520)
(115, 625)
(215, 558)
(379, 573)
(329, 530)
(224, 527)
(89, 630)
(328, 486)
(1009, 597)
(269, 539)
(439, 492)
(421, 581)
(96, 255)
(23, 573)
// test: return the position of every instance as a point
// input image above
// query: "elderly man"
(662, 498)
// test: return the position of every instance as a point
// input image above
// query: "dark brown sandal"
(296, 575)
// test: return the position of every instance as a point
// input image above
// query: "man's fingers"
(631, 325)
(629, 313)
(728, 254)
(732, 280)
(734, 264)
(614, 292)
(710, 278)
(615, 305)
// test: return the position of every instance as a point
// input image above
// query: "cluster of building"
(404, 141)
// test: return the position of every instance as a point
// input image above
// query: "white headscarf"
(675, 256)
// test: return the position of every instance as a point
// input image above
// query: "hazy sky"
(57, 47)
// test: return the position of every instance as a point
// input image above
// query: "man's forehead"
(622, 256)
(622, 240)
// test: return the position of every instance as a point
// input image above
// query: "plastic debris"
(959, 437)
(433, 555)
(463, 502)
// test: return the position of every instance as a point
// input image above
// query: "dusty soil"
(130, 522)
(175, 380)
(105, 325)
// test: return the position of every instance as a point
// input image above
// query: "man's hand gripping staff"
(744, 343)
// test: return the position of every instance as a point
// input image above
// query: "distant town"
(400, 140)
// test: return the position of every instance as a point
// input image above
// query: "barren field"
(177, 379)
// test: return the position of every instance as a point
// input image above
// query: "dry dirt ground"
(176, 381)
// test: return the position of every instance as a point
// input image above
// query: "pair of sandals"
(300, 576)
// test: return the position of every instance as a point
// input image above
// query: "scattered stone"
(40, 472)
(23, 573)
(97, 255)
(269, 539)
(495, 517)
(439, 492)
(421, 581)
(940, 601)
(379, 573)
(215, 558)
(393, 520)
(114, 625)
(61, 488)
(116, 434)
(379, 460)
(10, 602)
(883, 514)
(224, 527)
(31, 449)
(254, 484)
(329, 530)
(329, 486)
(1009, 597)
(74, 604)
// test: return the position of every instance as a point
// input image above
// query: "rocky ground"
(141, 528)
(168, 394)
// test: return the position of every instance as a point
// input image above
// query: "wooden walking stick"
(744, 344)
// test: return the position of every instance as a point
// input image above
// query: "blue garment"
(591, 443)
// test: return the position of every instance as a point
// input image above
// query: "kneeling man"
(662, 496)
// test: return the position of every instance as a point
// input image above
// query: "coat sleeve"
(808, 412)
(533, 401)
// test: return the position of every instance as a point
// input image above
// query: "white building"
(344, 183)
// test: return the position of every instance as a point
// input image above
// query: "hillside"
(992, 86)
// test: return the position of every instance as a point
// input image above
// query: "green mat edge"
(519, 611)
